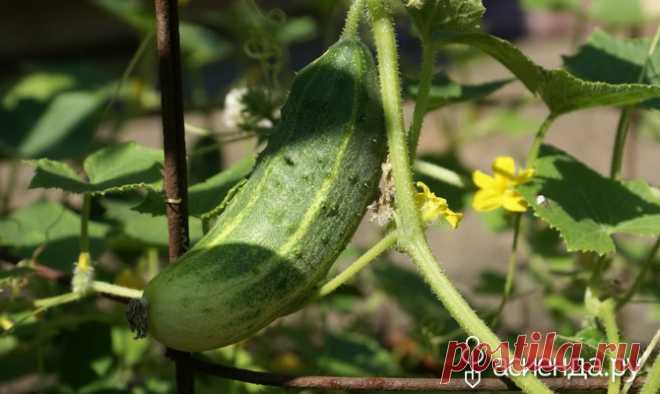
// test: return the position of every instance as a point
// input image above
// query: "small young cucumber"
(284, 228)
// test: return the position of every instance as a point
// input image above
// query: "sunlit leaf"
(115, 168)
(59, 128)
(561, 91)
(52, 226)
(587, 208)
(610, 59)
(205, 197)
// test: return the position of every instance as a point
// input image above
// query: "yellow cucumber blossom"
(499, 190)
(432, 207)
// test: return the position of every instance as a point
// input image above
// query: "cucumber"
(283, 229)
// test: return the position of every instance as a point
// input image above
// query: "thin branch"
(375, 383)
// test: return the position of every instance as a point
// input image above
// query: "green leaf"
(446, 15)
(613, 12)
(52, 226)
(115, 168)
(144, 228)
(561, 91)
(587, 208)
(528, 72)
(59, 128)
(37, 86)
(610, 59)
(444, 91)
(205, 198)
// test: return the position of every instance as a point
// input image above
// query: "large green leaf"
(446, 15)
(206, 197)
(610, 59)
(528, 72)
(59, 128)
(115, 168)
(561, 91)
(587, 208)
(444, 91)
(52, 226)
(143, 229)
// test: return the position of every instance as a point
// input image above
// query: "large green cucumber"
(283, 229)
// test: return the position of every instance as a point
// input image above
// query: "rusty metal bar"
(174, 145)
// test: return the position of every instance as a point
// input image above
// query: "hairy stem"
(412, 237)
(607, 316)
(422, 100)
(652, 385)
(353, 17)
(356, 266)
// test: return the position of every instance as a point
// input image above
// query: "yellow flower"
(499, 190)
(432, 207)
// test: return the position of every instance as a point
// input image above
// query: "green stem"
(119, 291)
(100, 287)
(84, 223)
(511, 270)
(642, 360)
(422, 99)
(46, 303)
(360, 263)
(624, 120)
(353, 19)
(410, 228)
(622, 129)
(461, 311)
(538, 140)
(607, 316)
(441, 173)
(144, 45)
(652, 385)
(408, 222)
(641, 275)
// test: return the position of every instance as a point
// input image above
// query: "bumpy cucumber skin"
(282, 231)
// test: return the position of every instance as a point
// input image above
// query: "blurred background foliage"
(78, 75)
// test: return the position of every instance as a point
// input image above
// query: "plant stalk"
(353, 17)
(359, 264)
(538, 140)
(412, 237)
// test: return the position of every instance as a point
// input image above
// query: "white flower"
(234, 107)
